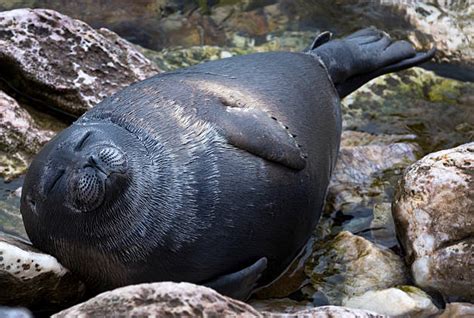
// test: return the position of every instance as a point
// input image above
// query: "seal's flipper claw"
(239, 285)
(321, 39)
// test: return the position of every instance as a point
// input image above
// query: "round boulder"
(434, 216)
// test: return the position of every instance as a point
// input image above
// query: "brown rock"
(434, 216)
(163, 299)
(63, 63)
(349, 265)
(458, 310)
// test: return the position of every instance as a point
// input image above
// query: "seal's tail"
(356, 59)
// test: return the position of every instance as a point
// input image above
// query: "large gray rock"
(33, 279)
(434, 215)
(63, 63)
(163, 299)
(349, 266)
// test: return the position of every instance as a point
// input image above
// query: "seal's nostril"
(92, 161)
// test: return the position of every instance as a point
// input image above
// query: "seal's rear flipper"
(240, 284)
(364, 55)
(355, 82)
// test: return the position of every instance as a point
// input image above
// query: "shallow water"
(10, 216)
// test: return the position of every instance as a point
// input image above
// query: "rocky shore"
(396, 235)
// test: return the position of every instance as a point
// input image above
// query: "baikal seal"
(215, 174)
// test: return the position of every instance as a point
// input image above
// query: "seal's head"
(78, 188)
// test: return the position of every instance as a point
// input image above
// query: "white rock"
(407, 301)
(30, 278)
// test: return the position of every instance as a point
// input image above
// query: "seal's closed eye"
(80, 144)
(54, 181)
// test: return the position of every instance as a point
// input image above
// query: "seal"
(215, 174)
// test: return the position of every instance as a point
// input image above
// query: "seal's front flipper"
(240, 284)
(364, 55)
(255, 131)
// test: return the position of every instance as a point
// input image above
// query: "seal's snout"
(108, 160)
(100, 171)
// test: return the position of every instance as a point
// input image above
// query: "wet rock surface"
(437, 110)
(348, 266)
(434, 216)
(62, 63)
(402, 301)
(32, 279)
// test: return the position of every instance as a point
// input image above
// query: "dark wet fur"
(227, 167)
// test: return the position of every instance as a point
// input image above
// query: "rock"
(362, 185)
(63, 62)
(9, 312)
(446, 24)
(437, 110)
(458, 310)
(172, 59)
(35, 280)
(361, 162)
(434, 216)
(402, 301)
(287, 308)
(280, 305)
(329, 312)
(165, 299)
(155, 24)
(20, 137)
(348, 266)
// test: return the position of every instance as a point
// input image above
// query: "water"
(10, 216)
